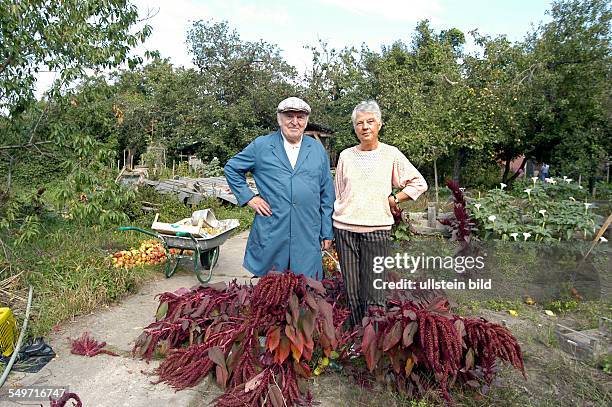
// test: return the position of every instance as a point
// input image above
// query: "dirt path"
(118, 381)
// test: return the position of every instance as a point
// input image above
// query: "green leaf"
(161, 311)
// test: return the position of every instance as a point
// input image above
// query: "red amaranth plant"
(88, 346)
(487, 341)
(397, 213)
(264, 334)
(462, 224)
(418, 343)
(61, 402)
(261, 342)
(182, 315)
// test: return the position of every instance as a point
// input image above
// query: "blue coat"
(301, 200)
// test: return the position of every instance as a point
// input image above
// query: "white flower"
(514, 235)
(477, 206)
(528, 191)
(502, 185)
(542, 211)
(564, 177)
(534, 179)
(572, 198)
(568, 180)
(580, 187)
(587, 205)
(492, 218)
(526, 235)
(603, 239)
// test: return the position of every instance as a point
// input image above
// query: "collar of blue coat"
(279, 150)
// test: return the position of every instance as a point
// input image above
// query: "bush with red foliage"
(461, 224)
(423, 343)
(61, 402)
(257, 340)
(85, 345)
(261, 342)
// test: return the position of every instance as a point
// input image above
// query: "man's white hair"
(368, 106)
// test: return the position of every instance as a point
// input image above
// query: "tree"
(241, 83)
(431, 112)
(501, 98)
(337, 81)
(66, 37)
(571, 73)
(548, 97)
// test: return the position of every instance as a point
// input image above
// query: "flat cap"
(293, 104)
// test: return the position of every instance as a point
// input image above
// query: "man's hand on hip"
(260, 206)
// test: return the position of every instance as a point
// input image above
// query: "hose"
(8, 367)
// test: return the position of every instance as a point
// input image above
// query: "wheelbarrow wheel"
(208, 260)
(172, 262)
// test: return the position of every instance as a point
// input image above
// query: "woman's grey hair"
(369, 106)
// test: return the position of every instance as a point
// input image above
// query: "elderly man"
(365, 177)
(296, 195)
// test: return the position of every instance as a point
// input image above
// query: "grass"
(554, 378)
(71, 273)
(69, 265)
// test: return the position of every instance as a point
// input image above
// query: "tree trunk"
(9, 178)
(506, 171)
(459, 156)
(436, 184)
(516, 174)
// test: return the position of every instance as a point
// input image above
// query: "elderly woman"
(362, 219)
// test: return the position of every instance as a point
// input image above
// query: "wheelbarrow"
(204, 251)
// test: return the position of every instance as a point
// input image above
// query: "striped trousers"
(356, 252)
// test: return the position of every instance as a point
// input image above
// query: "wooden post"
(436, 183)
(431, 215)
(173, 164)
(579, 179)
(119, 165)
(124, 158)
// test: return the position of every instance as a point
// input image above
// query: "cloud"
(175, 17)
(393, 10)
(250, 13)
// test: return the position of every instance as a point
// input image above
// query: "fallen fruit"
(149, 252)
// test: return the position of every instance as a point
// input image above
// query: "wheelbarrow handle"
(146, 232)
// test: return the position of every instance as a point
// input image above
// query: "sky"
(292, 25)
(340, 23)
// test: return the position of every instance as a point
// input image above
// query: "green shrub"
(540, 211)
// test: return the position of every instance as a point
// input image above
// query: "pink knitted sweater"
(364, 181)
